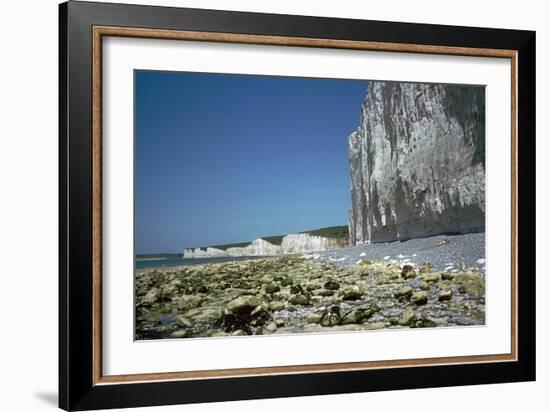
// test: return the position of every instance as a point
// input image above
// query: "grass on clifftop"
(332, 232)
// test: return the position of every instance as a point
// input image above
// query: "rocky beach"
(301, 294)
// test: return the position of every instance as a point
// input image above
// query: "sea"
(142, 263)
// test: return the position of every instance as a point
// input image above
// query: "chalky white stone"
(417, 162)
(292, 243)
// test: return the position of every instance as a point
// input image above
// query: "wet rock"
(445, 296)
(324, 292)
(183, 322)
(224, 285)
(472, 288)
(426, 267)
(430, 277)
(277, 306)
(296, 289)
(243, 304)
(332, 285)
(204, 314)
(286, 282)
(313, 318)
(404, 293)
(419, 298)
(356, 316)
(470, 283)
(151, 297)
(187, 302)
(166, 308)
(272, 288)
(424, 285)
(351, 295)
(231, 322)
(282, 295)
(272, 327)
(166, 292)
(467, 277)
(425, 323)
(407, 272)
(280, 323)
(447, 276)
(180, 333)
(313, 286)
(259, 316)
(300, 300)
(240, 333)
(407, 317)
(331, 317)
(240, 284)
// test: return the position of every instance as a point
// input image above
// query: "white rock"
(304, 242)
(417, 162)
(213, 252)
(292, 243)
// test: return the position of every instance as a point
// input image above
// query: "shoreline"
(295, 294)
(444, 252)
(190, 262)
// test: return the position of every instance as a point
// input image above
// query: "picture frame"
(82, 28)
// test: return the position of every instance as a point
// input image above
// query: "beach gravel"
(445, 252)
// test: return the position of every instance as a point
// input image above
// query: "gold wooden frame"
(101, 31)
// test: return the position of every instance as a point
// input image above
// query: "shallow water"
(160, 262)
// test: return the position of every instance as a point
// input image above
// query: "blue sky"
(229, 158)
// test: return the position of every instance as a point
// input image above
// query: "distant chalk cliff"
(292, 243)
(417, 162)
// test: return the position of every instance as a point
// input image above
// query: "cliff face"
(258, 247)
(303, 242)
(417, 162)
(292, 243)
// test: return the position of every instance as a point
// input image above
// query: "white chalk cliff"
(304, 242)
(258, 247)
(292, 243)
(417, 162)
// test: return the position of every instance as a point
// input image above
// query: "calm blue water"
(151, 263)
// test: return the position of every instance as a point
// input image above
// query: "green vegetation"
(332, 232)
(274, 240)
(227, 246)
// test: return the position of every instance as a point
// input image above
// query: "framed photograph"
(257, 205)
